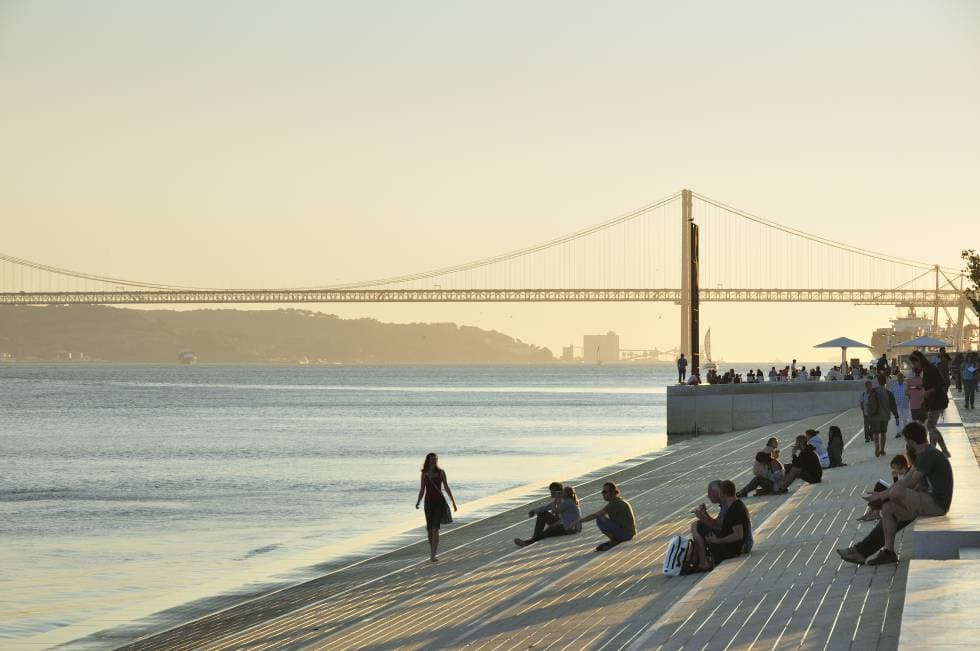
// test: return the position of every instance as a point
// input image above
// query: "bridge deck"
(486, 593)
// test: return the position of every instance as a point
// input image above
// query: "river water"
(125, 489)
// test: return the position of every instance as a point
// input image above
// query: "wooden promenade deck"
(792, 591)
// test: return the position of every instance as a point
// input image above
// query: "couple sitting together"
(562, 516)
(809, 458)
(726, 536)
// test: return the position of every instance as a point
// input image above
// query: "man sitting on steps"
(902, 503)
(733, 538)
(615, 519)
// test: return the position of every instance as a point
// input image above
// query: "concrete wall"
(711, 409)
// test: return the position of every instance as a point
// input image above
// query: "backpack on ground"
(676, 556)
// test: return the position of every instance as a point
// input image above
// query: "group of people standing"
(922, 397)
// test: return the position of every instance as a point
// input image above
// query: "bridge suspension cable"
(820, 239)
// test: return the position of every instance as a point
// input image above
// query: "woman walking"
(900, 391)
(971, 373)
(436, 509)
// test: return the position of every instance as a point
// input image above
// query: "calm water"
(126, 489)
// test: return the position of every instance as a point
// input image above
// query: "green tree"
(973, 273)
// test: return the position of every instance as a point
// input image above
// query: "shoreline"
(179, 609)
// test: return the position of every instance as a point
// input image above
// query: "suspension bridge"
(640, 256)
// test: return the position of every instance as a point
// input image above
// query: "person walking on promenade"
(900, 391)
(681, 369)
(935, 398)
(436, 509)
(956, 372)
(881, 403)
(943, 363)
(882, 365)
(863, 401)
(916, 395)
(902, 503)
(557, 516)
(971, 373)
(615, 519)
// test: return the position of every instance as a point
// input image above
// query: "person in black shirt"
(903, 502)
(735, 525)
(935, 400)
(805, 465)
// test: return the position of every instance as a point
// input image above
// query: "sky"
(255, 144)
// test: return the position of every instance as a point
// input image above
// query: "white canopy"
(842, 342)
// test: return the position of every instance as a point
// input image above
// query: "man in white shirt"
(813, 438)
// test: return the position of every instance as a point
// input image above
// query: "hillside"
(235, 336)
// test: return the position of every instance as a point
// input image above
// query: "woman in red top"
(436, 508)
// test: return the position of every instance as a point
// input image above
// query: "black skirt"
(434, 512)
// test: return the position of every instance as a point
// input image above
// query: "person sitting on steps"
(731, 541)
(555, 517)
(899, 465)
(768, 476)
(902, 503)
(615, 519)
(805, 465)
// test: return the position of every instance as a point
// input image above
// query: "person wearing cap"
(813, 438)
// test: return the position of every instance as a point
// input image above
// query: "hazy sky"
(304, 143)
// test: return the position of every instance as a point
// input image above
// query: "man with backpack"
(881, 404)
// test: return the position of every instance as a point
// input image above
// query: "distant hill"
(229, 336)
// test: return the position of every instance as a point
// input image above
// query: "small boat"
(708, 365)
(187, 357)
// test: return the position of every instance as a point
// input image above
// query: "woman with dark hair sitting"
(835, 447)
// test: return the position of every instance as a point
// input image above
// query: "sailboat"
(708, 365)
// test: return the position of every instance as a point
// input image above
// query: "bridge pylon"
(687, 218)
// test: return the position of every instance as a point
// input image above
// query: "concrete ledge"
(719, 408)
(942, 537)
(941, 600)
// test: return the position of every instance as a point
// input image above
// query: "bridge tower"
(687, 218)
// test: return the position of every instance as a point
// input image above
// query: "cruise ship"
(909, 327)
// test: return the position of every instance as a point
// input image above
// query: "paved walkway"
(485, 593)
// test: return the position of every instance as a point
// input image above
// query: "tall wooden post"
(687, 218)
(695, 303)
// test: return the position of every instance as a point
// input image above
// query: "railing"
(895, 297)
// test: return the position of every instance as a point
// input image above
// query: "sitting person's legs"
(699, 556)
(762, 483)
(542, 522)
(612, 530)
(550, 532)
